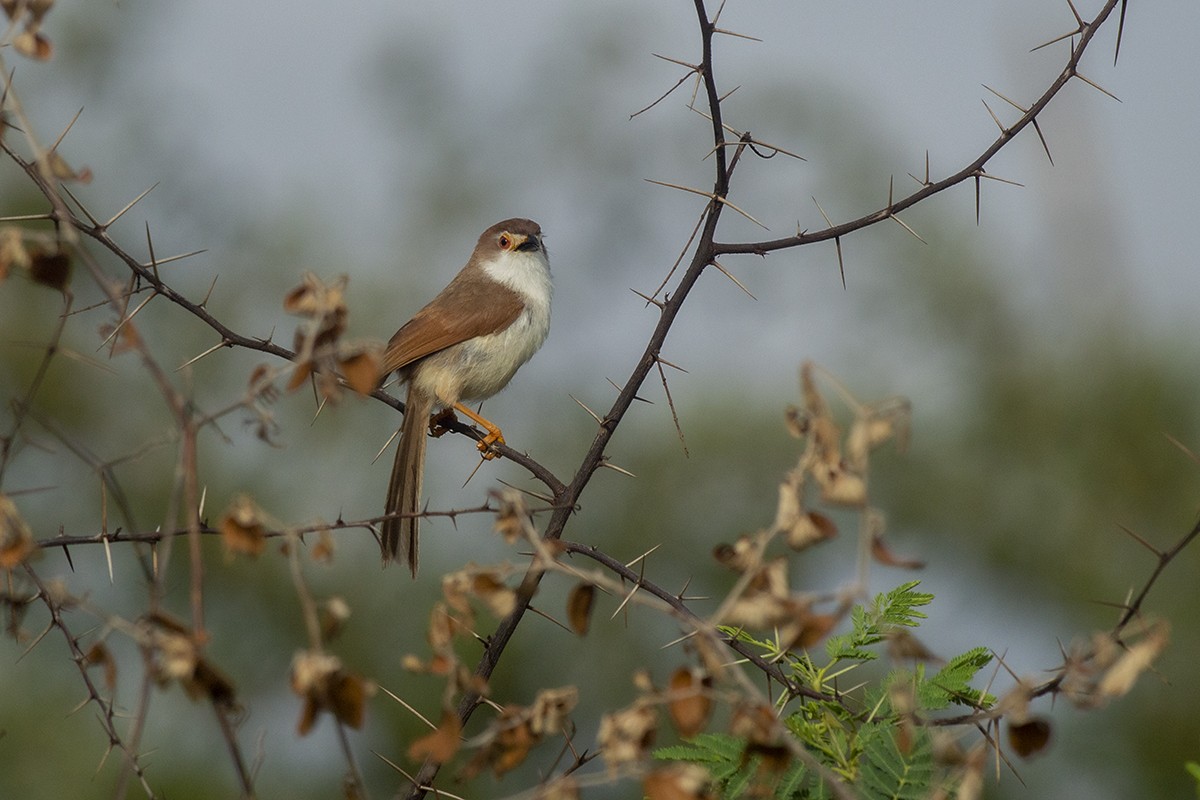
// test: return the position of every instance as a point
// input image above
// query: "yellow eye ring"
(505, 241)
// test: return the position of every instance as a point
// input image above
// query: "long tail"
(404, 489)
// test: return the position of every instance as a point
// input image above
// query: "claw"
(439, 423)
(485, 445)
(493, 433)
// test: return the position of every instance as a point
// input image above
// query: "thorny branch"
(107, 712)
(707, 250)
(972, 171)
(565, 495)
(689, 618)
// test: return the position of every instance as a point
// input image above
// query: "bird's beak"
(530, 243)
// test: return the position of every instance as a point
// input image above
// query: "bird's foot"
(439, 423)
(485, 445)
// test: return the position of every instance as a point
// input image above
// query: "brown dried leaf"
(858, 444)
(309, 299)
(498, 597)
(513, 522)
(579, 607)
(757, 724)
(308, 716)
(809, 528)
(797, 421)
(177, 657)
(713, 657)
(550, 709)
(324, 306)
(127, 337)
(176, 654)
(210, 682)
(99, 655)
(791, 503)
(35, 9)
(12, 250)
(16, 541)
(456, 589)
(362, 371)
(300, 374)
(320, 301)
(441, 745)
(333, 615)
(311, 670)
(29, 42)
(322, 551)
(301, 300)
(49, 269)
(242, 528)
(883, 554)
(765, 602)
(321, 681)
(739, 556)
(809, 629)
(328, 386)
(442, 627)
(511, 744)
(1135, 660)
(690, 703)
(678, 782)
(63, 171)
(874, 428)
(885, 427)
(348, 699)
(260, 379)
(625, 736)
(643, 681)
(33, 45)
(1029, 737)
(839, 486)
(826, 438)
(814, 403)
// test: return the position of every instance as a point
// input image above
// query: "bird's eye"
(505, 241)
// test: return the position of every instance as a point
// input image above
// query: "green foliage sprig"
(873, 736)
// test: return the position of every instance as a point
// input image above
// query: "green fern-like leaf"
(849, 646)
(800, 784)
(894, 609)
(720, 753)
(899, 606)
(892, 771)
(951, 683)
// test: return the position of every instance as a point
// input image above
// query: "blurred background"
(1049, 352)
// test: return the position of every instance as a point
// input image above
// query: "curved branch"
(975, 169)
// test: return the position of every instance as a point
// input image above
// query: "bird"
(464, 345)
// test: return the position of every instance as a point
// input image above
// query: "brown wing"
(465, 309)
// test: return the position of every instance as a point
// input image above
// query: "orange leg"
(493, 433)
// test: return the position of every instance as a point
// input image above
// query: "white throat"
(528, 274)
